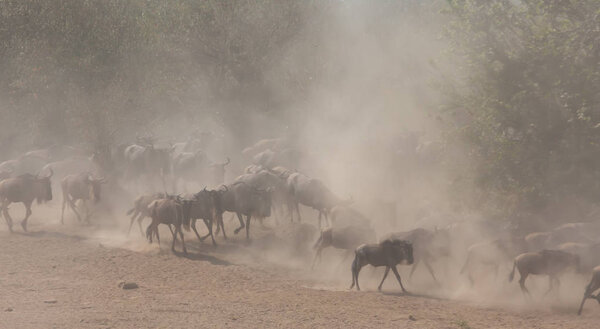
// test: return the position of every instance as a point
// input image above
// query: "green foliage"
(529, 107)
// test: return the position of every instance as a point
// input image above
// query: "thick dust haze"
(374, 99)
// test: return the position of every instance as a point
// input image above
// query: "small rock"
(50, 301)
(128, 285)
(412, 318)
(8, 309)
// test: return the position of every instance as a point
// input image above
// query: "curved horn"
(225, 187)
(204, 189)
(226, 162)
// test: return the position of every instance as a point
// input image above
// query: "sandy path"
(51, 279)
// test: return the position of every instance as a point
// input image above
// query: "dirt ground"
(68, 277)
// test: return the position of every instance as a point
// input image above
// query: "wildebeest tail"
(512, 274)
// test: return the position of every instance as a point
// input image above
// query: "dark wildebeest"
(347, 238)
(24, 188)
(312, 193)
(388, 253)
(169, 212)
(545, 262)
(82, 186)
(203, 205)
(264, 180)
(491, 253)
(245, 200)
(140, 209)
(428, 246)
(591, 287)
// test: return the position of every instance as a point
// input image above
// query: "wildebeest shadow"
(412, 294)
(202, 257)
(47, 234)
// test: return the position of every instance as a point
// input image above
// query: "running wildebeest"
(490, 253)
(428, 245)
(591, 287)
(312, 193)
(388, 253)
(169, 212)
(545, 262)
(347, 238)
(140, 209)
(82, 186)
(24, 188)
(245, 200)
(203, 205)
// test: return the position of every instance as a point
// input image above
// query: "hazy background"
(448, 109)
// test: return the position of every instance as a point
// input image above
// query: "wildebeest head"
(400, 250)
(43, 187)
(94, 185)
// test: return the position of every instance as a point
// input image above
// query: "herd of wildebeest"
(270, 186)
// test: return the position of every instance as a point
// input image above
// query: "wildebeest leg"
(209, 226)
(522, 283)
(387, 270)
(174, 237)
(398, 278)
(62, 213)
(248, 227)
(196, 231)
(220, 223)
(355, 271)
(414, 267)
(27, 214)
(550, 285)
(133, 217)
(182, 240)
(7, 217)
(73, 207)
(139, 220)
(317, 255)
(241, 223)
(430, 270)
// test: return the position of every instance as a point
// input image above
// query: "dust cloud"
(349, 89)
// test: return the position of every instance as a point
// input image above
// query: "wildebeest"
(388, 253)
(591, 287)
(203, 205)
(538, 240)
(189, 166)
(589, 254)
(264, 180)
(5, 174)
(140, 209)
(147, 161)
(347, 238)
(545, 262)
(428, 245)
(169, 212)
(346, 215)
(24, 188)
(263, 145)
(245, 200)
(491, 253)
(82, 186)
(312, 193)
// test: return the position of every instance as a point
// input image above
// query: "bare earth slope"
(51, 279)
